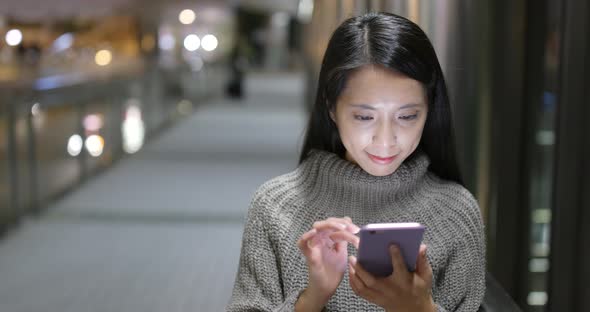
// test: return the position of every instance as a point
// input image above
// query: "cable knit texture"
(273, 272)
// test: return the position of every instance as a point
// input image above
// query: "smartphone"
(375, 239)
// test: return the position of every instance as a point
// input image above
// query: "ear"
(332, 116)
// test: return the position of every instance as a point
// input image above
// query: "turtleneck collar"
(339, 177)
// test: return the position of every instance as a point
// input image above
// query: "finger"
(351, 266)
(345, 236)
(351, 226)
(346, 221)
(367, 278)
(358, 286)
(355, 283)
(303, 242)
(423, 267)
(340, 246)
(326, 225)
(400, 269)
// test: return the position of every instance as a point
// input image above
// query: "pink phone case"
(375, 239)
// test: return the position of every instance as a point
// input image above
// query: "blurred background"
(134, 133)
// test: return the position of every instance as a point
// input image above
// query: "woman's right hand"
(326, 258)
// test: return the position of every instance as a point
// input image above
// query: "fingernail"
(342, 225)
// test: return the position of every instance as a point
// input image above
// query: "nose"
(385, 135)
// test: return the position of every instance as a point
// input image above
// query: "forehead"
(372, 84)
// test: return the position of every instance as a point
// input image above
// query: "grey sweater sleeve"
(258, 284)
(461, 286)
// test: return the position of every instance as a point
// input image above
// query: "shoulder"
(274, 194)
(454, 212)
(453, 201)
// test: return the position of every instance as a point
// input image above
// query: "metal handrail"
(56, 89)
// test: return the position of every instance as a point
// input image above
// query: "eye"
(362, 118)
(408, 117)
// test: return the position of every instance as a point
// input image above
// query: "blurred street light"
(166, 42)
(93, 122)
(305, 10)
(192, 42)
(14, 37)
(95, 145)
(75, 145)
(187, 17)
(133, 129)
(62, 42)
(36, 110)
(103, 57)
(209, 43)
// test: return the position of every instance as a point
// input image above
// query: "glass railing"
(58, 130)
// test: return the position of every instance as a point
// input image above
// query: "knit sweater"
(273, 272)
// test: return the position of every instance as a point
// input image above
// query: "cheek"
(354, 136)
(412, 139)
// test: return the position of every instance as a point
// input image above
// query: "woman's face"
(380, 116)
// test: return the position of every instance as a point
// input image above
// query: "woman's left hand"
(402, 290)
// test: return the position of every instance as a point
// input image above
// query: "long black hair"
(396, 43)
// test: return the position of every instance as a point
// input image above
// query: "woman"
(378, 148)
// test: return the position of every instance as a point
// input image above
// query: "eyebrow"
(367, 106)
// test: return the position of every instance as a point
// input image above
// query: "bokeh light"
(166, 42)
(192, 42)
(187, 17)
(75, 145)
(14, 37)
(95, 145)
(63, 42)
(209, 43)
(93, 122)
(103, 57)
(133, 130)
(36, 110)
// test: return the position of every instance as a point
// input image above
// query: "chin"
(379, 172)
(372, 168)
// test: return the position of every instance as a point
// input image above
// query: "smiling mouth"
(381, 160)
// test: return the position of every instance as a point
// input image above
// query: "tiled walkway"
(161, 230)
